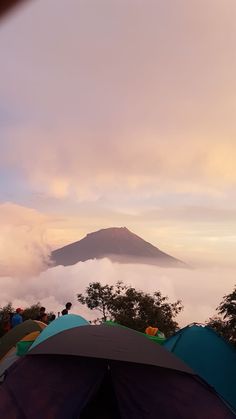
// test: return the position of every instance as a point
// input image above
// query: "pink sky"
(118, 113)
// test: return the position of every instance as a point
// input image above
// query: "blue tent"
(210, 356)
(58, 325)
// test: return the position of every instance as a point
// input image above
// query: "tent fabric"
(24, 344)
(22, 347)
(157, 339)
(68, 387)
(42, 325)
(103, 404)
(116, 343)
(210, 356)
(31, 336)
(163, 394)
(7, 361)
(58, 325)
(49, 387)
(11, 338)
(15, 352)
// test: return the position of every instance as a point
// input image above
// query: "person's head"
(53, 316)
(68, 306)
(64, 312)
(42, 310)
(19, 310)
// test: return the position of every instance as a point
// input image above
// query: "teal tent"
(61, 323)
(210, 356)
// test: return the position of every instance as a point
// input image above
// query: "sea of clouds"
(25, 279)
(200, 290)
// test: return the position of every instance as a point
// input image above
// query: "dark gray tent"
(105, 372)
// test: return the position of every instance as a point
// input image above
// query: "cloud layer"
(200, 290)
(24, 279)
(23, 248)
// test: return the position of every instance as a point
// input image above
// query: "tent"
(157, 338)
(7, 361)
(10, 339)
(15, 352)
(26, 342)
(58, 325)
(210, 356)
(105, 372)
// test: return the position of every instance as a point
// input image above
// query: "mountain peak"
(109, 230)
(116, 243)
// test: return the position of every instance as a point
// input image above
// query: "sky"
(118, 113)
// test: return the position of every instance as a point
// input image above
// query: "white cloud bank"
(23, 247)
(24, 253)
(200, 290)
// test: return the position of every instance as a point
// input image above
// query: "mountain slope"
(118, 244)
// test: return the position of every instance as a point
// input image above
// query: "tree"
(31, 312)
(98, 297)
(132, 308)
(5, 315)
(225, 322)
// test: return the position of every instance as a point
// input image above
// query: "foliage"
(220, 326)
(98, 297)
(6, 309)
(5, 315)
(6, 312)
(225, 322)
(132, 308)
(31, 312)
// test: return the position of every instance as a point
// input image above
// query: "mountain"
(117, 244)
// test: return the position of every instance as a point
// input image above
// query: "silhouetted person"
(17, 318)
(44, 318)
(6, 322)
(42, 312)
(67, 309)
(53, 316)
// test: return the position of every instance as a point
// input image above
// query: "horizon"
(123, 114)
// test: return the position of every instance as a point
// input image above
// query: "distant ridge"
(117, 244)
